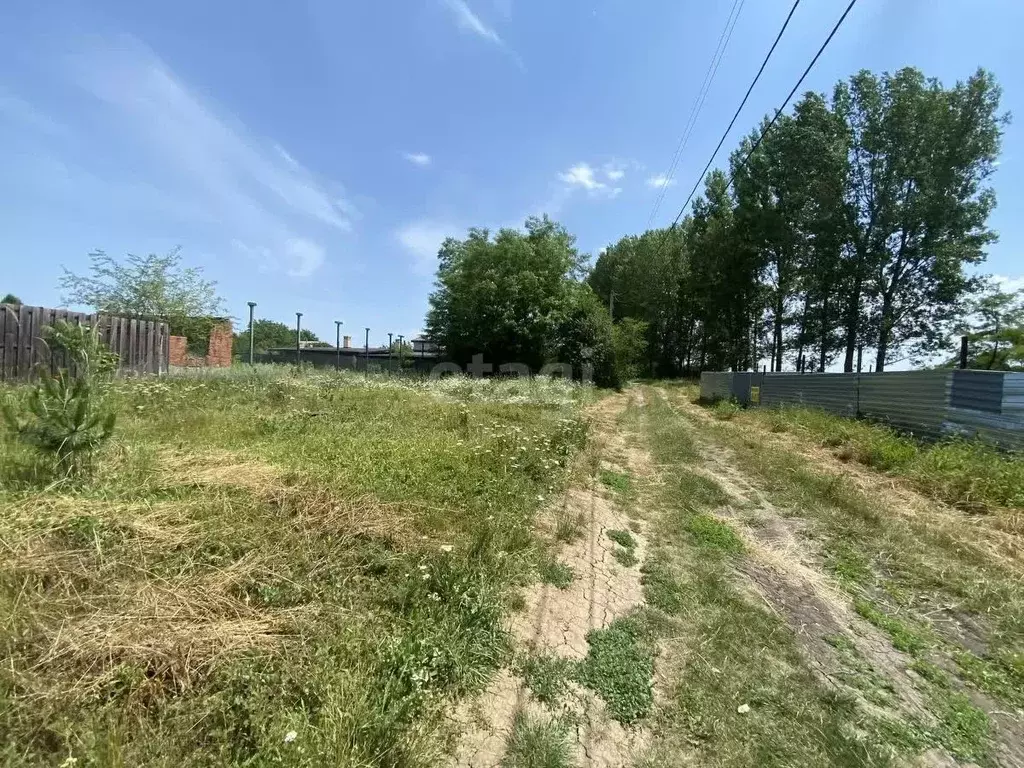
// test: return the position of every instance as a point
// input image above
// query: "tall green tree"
(512, 298)
(10, 298)
(916, 203)
(638, 277)
(155, 285)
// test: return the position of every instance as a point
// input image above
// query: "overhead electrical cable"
(778, 111)
(698, 103)
(739, 109)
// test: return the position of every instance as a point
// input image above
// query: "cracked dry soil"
(557, 621)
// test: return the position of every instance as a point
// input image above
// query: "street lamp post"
(366, 353)
(337, 344)
(298, 338)
(252, 306)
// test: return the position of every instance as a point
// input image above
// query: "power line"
(738, 110)
(795, 88)
(698, 102)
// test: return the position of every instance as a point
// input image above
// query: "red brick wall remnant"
(218, 353)
(179, 351)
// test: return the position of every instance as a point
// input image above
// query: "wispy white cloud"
(422, 239)
(418, 158)
(469, 21)
(660, 181)
(258, 192)
(583, 176)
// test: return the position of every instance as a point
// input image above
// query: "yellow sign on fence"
(755, 395)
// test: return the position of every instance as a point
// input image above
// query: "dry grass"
(224, 577)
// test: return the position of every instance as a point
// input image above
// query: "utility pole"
(390, 349)
(366, 353)
(252, 306)
(860, 355)
(964, 351)
(298, 338)
(337, 343)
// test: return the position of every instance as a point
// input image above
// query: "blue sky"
(312, 155)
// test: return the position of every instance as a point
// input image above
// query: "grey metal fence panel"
(715, 385)
(913, 400)
(984, 404)
(1013, 395)
(977, 391)
(741, 384)
(834, 392)
(975, 416)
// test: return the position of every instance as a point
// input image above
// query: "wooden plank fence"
(142, 346)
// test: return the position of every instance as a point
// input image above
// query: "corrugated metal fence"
(986, 404)
(141, 345)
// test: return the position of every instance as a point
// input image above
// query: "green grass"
(625, 557)
(622, 538)
(548, 677)
(901, 569)
(734, 650)
(964, 728)
(619, 667)
(568, 525)
(537, 743)
(661, 588)
(625, 553)
(263, 551)
(555, 573)
(725, 410)
(619, 482)
(915, 562)
(904, 637)
(965, 473)
(711, 533)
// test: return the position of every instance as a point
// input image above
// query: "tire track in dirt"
(557, 621)
(786, 572)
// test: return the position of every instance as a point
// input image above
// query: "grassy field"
(895, 623)
(297, 569)
(269, 568)
(966, 473)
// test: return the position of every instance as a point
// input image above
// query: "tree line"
(853, 222)
(850, 223)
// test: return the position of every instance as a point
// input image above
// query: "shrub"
(725, 410)
(68, 418)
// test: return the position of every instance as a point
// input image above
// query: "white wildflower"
(290, 737)
(447, 547)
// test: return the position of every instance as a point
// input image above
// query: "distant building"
(347, 356)
(424, 347)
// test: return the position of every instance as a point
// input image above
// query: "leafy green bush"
(68, 416)
(725, 410)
